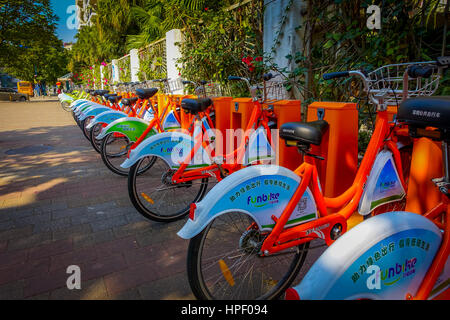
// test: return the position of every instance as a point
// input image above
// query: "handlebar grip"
(419, 71)
(333, 75)
(186, 82)
(443, 61)
(267, 76)
(203, 82)
(233, 78)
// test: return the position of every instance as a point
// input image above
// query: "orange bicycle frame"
(280, 238)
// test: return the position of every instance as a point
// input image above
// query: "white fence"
(155, 61)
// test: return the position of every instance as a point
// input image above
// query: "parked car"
(9, 94)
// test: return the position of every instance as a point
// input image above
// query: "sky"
(65, 29)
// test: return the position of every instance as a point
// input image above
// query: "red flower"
(259, 59)
(247, 60)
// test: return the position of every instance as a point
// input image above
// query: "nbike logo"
(263, 200)
(172, 150)
(391, 275)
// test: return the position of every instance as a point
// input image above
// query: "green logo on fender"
(263, 200)
(126, 127)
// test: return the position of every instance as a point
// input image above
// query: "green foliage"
(106, 38)
(124, 69)
(153, 68)
(340, 40)
(107, 76)
(223, 43)
(336, 38)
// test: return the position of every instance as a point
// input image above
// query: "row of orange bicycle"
(272, 202)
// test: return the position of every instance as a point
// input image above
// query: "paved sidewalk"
(60, 206)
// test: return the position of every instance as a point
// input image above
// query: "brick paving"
(64, 207)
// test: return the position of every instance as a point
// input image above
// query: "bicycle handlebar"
(419, 71)
(334, 75)
(443, 61)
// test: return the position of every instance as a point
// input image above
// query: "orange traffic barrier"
(339, 146)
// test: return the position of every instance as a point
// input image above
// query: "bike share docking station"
(235, 114)
(339, 145)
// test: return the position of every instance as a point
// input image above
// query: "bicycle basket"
(387, 82)
(172, 86)
(214, 89)
(275, 91)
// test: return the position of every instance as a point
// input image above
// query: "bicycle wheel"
(155, 196)
(405, 155)
(86, 132)
(95, 131)
(224, 263)
(114, 151)
(66, 106)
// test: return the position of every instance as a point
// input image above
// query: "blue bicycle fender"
(80, 112)
(172, 147)
(76, 103)
(106, 117)
(82, 107)
(260, 191)
(385, 257)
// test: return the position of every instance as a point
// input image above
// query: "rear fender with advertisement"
(93, 111)
(83, 107)
(77, 103)
(66, 98)
(260, 191)
(132, 128)
(385, 257)
(86, 107)
(172, 147)
(107, 118)
(80, 112)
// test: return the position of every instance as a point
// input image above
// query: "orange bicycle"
(396, 255)
(184, 162)
(250, 235)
